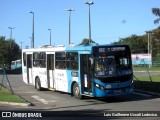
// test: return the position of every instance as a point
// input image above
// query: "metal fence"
(156, 62)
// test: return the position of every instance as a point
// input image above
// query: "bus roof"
(44, 49)
(71, 48)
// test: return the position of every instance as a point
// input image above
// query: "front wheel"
(76, 91)
(38, 84)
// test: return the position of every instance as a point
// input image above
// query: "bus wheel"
(38, 84)
(76, 91)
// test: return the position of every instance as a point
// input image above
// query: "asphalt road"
(59, 101)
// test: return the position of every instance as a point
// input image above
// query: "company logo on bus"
(43, 73)
(60, 74)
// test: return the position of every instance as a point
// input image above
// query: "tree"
(85, 41)
(156, 11)
(2, 40)
(138, 44)
(9, 51)
(156, 40)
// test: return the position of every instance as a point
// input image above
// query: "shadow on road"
(147, 86)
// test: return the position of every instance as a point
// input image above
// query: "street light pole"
(50, 35)
(31, 41)
(21, 45)
(70, 10)
(32, 29)
(11, 28)
(89, 3)
(148, 33)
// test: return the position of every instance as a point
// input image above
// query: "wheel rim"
(37, 84)
(76, 91)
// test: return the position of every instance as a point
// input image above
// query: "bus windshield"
(112, 65)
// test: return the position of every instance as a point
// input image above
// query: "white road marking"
(142, 94)
(40, 99)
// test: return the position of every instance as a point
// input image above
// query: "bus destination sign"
(109, 49)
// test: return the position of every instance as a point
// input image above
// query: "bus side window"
(24, 59)
(60, 60)
(36, 59)
(39, 59)
(42, 60)
(72, 60)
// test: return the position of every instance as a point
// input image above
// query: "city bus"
(16, 64)
(84, 70)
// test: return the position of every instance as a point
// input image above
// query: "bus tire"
(76, 91)
(38, 84)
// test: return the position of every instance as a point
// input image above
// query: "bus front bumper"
(113, 92)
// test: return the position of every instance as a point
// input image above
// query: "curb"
(15, 104)
(147, 92)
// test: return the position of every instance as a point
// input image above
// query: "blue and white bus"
(16, 64)
(85, 70)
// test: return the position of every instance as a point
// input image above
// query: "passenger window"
(39, 59)
(60, 60)
(72, 60)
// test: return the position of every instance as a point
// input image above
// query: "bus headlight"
(99, 86)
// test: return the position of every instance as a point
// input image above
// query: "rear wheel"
(76, 91)
(38, 84)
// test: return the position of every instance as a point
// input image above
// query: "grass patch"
(7, 96)
(144, 83)
(145, 69)
(154, 78)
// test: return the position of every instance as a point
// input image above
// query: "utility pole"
(32, 46)
(89, 3)
(50, 35)
(149, 44)
(11, 28)
(69, 34)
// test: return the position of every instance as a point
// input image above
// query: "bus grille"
(116, 79)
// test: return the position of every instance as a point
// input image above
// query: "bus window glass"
(124, 62)
(24, 59)
(39, 59)
(13, 65)
(108, 65)
(72, 60)
(60, 60)
(104, 65)
(36, 59)
(42, 60)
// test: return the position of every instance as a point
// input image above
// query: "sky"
(110, 20)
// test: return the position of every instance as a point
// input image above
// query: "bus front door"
(86, 74)
(50, 70)
(29, 68)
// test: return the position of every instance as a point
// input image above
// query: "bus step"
(87, 95)
(52, 89)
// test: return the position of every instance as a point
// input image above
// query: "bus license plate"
(117, 91)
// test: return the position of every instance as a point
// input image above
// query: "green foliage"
(156, 11)
(138, 44)
(2, 40)
(85, 41)
(9, 51)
